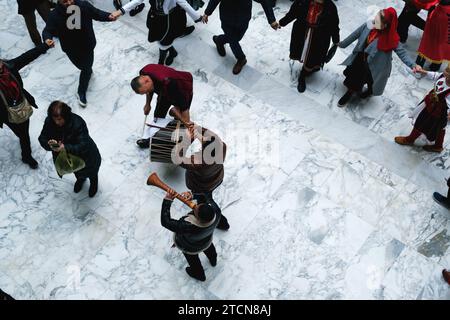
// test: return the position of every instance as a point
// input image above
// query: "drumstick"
(145, 122)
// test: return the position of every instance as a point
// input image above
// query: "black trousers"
(23, 133)
(409, 16)
(232, 35)
(207, 197)
(4, 296)
(43, 9)
(195, 263)
(83, 60)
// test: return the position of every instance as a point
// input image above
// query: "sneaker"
(441, 200)
(345, 99)
(31, 162)
(433, 148)
(403, 141)
(195, 276)
(78, 185)
(220, 47)
(82, 99)
(188, 31)
(446, 276)
(239, 65)
(93, 188)
(143, 143)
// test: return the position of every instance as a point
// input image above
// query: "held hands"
(170, 195)
(205, 18)
(147, 109)
(275, 25)
(419, 69)
(115, 15)
(50, 43)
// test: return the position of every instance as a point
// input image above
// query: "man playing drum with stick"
(173, 87)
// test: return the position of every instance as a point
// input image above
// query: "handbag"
(67, 163)
(19, 113)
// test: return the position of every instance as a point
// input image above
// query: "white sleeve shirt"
(131, 5)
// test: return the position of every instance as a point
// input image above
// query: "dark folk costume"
(166, 21)
(430, 117)
(435, 43)
(316, 24)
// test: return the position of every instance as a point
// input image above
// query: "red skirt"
(435, 44)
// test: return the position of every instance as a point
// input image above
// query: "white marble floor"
(335, 211)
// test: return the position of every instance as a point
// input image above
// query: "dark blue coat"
(238, 12)
(75, 40)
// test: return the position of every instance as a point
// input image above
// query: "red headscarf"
(389, 38)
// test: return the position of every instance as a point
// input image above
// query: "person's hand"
(115, 15)
(187, 195)
(147, 109)
(170, 195)
(50, 43)
(275, 25)
(60, 148)
(205, 18)
(448, 117)
(419, 69)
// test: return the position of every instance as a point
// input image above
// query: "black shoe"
(195, 276)
(220, 47)
(78, 185)
(239, 65)
(82, 99)
(188, 31)
(440, 199)
(93, 188)
(345, 99)
(162, 56)
(301, 87)
(136, 10)
(223, 225)
(143, 143)
(172, 54)
(30, 162)
(366, 94)
(213, 261)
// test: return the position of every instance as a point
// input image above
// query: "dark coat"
(27, 6)
(76, 40)
(14, 65)
(205, 177)
(189, 238)
(76, 139)
(328, 28)
(238, 12)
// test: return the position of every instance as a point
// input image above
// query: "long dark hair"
(59, 108)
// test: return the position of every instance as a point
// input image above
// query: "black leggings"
(21, 130)
(194, 261)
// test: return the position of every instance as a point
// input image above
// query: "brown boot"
(433, 148)
(446, 275)
(403, 141)
(239, 65)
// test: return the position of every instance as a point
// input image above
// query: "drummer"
(173, 87)
(204, 169)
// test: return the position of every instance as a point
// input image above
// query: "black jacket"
(14, 66)
(75, 40)
(237, 12)
(76, 139)
(328, 28)
(189, 238)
